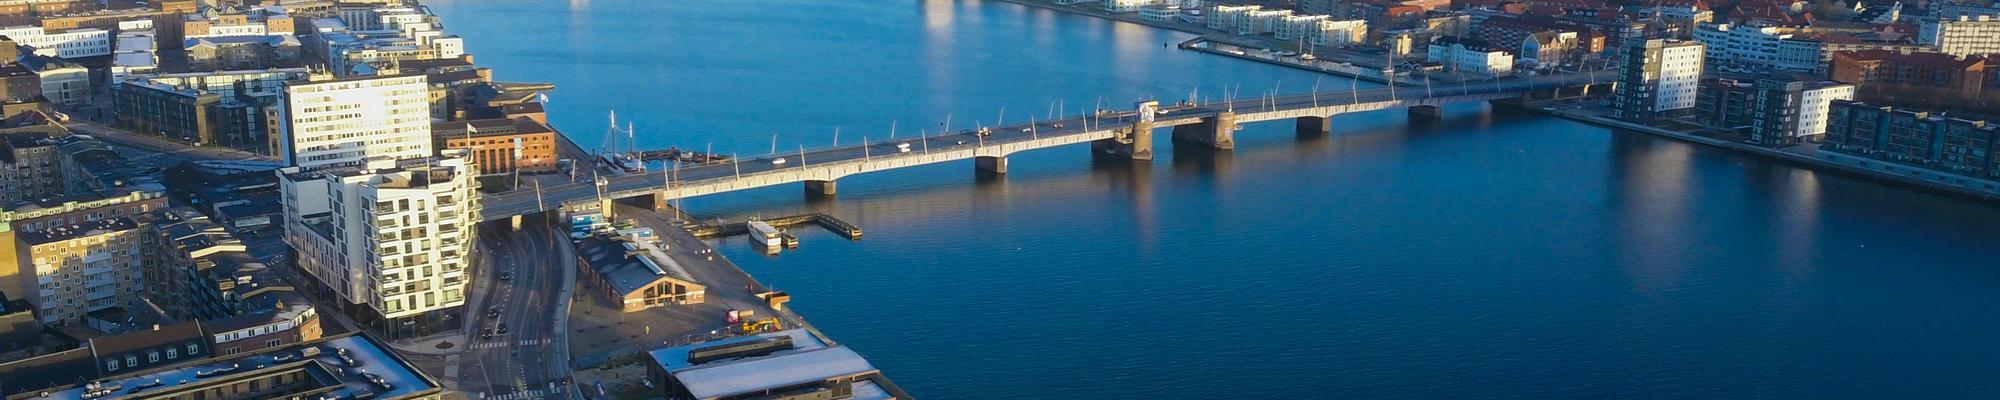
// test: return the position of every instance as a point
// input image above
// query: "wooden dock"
(829, 222)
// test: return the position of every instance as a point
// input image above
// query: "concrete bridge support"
(1426, 112)
(1134, 142)
(990, 165)
(1315, 126)
(820, 189)
(1218, 132)
(516, 221)
(660, 201)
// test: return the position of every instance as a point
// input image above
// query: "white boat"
(764, 235)
(623, 162)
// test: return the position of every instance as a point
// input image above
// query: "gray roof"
(809, 360)
(623, 268)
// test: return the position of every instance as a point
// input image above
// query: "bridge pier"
(820, 188)
(1426, 112)
(985, 165)
(1315, 126)
(1218, 132)
(1134, 142)
(660, 201)
(516, 222)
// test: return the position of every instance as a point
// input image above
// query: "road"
(524, 362)
(549, 197)
(155, 150)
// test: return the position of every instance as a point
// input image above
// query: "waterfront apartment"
(389, 239)
(1659, 79)
(341, 121)
(1940, 72)
(1471, 56)
(791, 363)
(1914, 138)
(1962, 36)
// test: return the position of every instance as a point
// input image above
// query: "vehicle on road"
(501, 330)
(485, 334)
(506, 275)
(493, 312)
(779, 161)
(983, 131)
(903, 147)
(1055, 125)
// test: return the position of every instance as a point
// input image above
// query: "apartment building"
(388, 238)
(1659, 79)
(341, 121)
(1963, 36)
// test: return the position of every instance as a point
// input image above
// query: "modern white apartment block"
(1339, 33)
(1125, 6)
(1296, 26)
(1471, 56)
(342, 121)
(1754, 47)
(1225, 16)
(1962, 36)
(72, 43)
(391, 238)
(1660, 77)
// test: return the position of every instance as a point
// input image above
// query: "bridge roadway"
(1113, 133)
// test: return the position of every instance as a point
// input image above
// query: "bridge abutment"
(821, 188)
(985, 165)
(660, 201)
(1426, 112)
(1218, 132)
(1315, 126)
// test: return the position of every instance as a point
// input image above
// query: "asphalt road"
(525, 361)
(550, 197)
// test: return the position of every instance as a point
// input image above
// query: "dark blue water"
(1493, 254)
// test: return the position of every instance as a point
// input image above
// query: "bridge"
(1124, 134)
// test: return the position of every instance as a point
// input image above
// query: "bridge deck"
(834, 163)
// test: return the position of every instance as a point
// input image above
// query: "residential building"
(1159, 12)
(1962, 36)
(388, 239)
(501, 145)
(1221, 16)
(1727, 103)
(1914, 138)
(223, 108)
(71, 43)
(1519, 36)
(344, 120)
(1338, 33)
(231, 21)
(1659, 79)
(203, 273)
(64, 83)
(217, 53)
(30, 168)
(766, 365)
(1471, 56)
(1793, 111)
(1124, 6)
(1754, 48)
(1944, 72)
(1954, 10)
(632, 271)
(70, 270)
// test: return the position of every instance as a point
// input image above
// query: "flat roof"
(66, 232)
(809, 360)
(373, 371)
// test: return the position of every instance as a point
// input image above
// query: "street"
(528, 360)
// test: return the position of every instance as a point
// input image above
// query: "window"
(152, 356)
(131, 361)
(193, 349)
(273, 343)
(172, 353)
(111, 365)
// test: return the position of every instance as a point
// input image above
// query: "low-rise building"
(1471, 56)
(242, 52)
(64, 83)
(501, 145)
(1940, 71)
(232, 21)
(633, 272)
(345, 367)
(785, 364)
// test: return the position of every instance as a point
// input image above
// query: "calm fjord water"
(1493, 254)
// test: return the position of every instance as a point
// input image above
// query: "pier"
(823, 220)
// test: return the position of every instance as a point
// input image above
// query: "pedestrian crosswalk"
(516, 343)
(521, 395)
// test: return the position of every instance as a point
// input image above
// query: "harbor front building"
(389, 239)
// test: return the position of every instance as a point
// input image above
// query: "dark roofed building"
(635, 274)
(159, 346)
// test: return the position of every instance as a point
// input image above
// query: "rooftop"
(1926, 58)
(353, 366)
(629, 265)
(807, 360)
(66, 232)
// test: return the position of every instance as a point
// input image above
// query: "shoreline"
(1203, 34)
(1851, 165)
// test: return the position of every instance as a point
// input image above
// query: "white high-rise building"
(1962, 36)
(71, 43)
(1660, 77)
(342, 121)
(391, 238)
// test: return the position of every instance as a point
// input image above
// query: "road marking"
(525, 394)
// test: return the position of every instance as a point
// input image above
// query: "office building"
(389, 239)
(1659, 79)
(344, 120)
(64, 83)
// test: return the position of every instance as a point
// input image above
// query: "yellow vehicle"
(762, 325)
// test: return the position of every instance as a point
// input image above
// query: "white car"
(779, 161)
(903, 147)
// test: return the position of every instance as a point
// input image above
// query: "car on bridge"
(778, 161)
